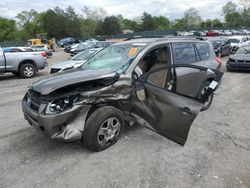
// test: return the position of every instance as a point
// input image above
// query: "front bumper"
(66, 126)
(238, 66)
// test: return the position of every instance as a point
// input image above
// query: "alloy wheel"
(109, 131)
(207, 102)
(28, 71)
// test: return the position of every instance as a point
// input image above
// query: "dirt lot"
(217, 153)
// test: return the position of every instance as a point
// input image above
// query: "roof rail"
(148, 36)
(184, 37)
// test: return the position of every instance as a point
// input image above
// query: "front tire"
(202, 91)
(103, 128)
(27, 70)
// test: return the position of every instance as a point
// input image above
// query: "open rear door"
(169, 112)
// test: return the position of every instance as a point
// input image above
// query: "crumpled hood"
(67, 64)
(66, 78)
(241, 57)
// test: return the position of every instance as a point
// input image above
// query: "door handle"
(186, 111)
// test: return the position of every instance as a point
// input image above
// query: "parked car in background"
(235, 32)
(183, 33)
(70, 47)
(17, 49)
(66, 41)
(81, 47)
(199, 34)
(222, 46)
(227, 33)
(213, 33)
(240, 60)
(88, 45)
(25, 64)
(43, 48)
(135, 81)
(246, 43)
(236, 42)
(76, 61)
(245, 32)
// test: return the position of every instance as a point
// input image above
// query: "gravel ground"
(216, 154)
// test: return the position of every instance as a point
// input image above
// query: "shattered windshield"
(84, 55)
(116, 58)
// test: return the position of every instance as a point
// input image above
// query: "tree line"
(62, 23)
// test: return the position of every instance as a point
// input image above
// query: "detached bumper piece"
(54, 70)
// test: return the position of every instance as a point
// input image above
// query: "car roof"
(167, 39)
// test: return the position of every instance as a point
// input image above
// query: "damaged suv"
(160, 83)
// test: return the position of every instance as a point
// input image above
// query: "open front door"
(169, 112)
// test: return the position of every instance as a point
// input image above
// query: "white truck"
(25, 64)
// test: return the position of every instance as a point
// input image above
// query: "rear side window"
(203, 50)
(184, 53)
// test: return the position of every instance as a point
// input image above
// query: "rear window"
(184, 53)
(203, 50)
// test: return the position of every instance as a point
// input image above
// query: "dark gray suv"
(160, 83)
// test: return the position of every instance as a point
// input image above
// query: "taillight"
(218, 60)
(43, 54)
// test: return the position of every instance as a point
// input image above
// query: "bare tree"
(246, 5)
(192, 18)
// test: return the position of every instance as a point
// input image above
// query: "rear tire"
(209, 101)
(103, 128)
(27, 70)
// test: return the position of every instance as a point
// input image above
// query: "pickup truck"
(25, 64)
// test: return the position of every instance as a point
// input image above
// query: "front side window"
(184, 53)
(116, 58)
(154, 58)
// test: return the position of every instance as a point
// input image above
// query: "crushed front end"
(62, 114)
(63, 124)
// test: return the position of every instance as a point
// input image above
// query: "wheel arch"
(115, 104)
(27, 61)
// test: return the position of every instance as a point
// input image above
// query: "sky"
(128, 8)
